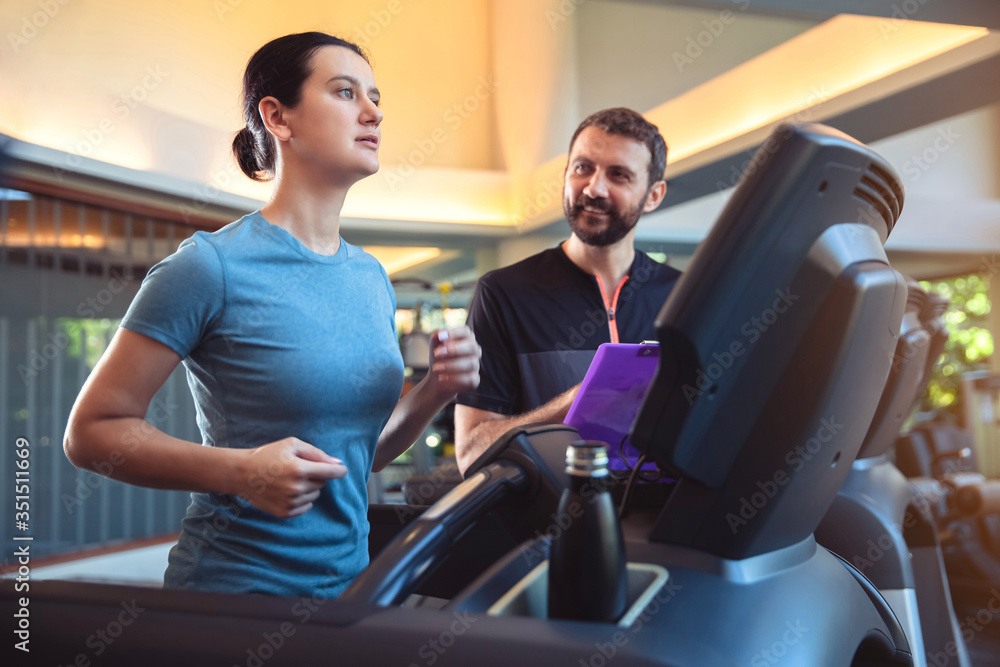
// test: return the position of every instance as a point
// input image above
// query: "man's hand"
(454, 364)
(285, 477)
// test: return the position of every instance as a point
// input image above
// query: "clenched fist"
(285, 477)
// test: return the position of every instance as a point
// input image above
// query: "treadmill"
(775, 348)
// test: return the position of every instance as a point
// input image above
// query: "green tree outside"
(970, 343)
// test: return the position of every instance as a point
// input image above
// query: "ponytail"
(248, 156)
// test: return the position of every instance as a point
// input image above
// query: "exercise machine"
(776, 346)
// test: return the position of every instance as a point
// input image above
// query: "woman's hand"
(454, 364)
(454, 367)
(285, 477)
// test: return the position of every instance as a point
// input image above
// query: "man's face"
(607, 186)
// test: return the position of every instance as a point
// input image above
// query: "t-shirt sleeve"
(181, 298)
(499, 379)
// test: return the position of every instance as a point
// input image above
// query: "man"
(539, 321)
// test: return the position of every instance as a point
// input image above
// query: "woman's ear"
(272, 114)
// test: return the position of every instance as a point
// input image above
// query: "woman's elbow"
(72, 446)
(78, 447)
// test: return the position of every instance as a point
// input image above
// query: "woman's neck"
(309, 212)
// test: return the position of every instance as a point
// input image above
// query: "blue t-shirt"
(277, 341)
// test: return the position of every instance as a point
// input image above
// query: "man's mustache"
(599, 204)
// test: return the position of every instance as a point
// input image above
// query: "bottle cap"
(587, 458)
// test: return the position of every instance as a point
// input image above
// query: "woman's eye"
(376, 100)
(346, 93)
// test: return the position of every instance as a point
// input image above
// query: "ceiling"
(481, 97)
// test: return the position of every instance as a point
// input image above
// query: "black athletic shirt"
(540, 321)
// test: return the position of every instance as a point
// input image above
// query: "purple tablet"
(610, 396)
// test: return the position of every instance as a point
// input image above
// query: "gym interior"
(820, 482)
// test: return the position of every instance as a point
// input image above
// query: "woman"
(288, 338)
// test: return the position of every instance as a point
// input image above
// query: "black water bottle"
(587, 580)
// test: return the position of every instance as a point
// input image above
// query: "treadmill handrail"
(407, 560)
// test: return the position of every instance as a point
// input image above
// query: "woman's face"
(336, 126)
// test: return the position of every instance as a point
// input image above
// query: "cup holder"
(530, 596)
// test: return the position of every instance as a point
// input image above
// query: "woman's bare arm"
(454, 368)
(107, 433)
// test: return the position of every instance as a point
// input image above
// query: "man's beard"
(618, 224)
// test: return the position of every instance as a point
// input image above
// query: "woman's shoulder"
(209, 250)
(196, 255)
(234, 233)
(361, 257)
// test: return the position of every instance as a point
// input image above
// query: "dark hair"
(627, 123)
(278, 70)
